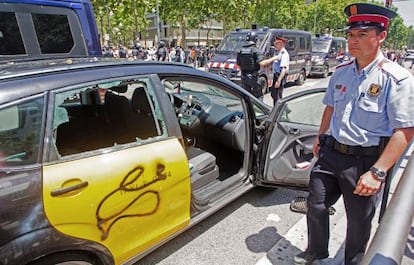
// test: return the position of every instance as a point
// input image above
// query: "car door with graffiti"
(286, 151)
(115, 176)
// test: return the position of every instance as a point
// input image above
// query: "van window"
(53, 33)
(302, 44)
(10, 39)
(291, 44)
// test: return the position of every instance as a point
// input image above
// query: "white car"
(409, 56)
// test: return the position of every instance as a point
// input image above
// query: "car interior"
(104, 117)
(214, 130)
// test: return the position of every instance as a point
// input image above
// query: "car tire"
(301, 79)
(71, 258)
(325, 72)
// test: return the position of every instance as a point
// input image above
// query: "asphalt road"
(256, 229)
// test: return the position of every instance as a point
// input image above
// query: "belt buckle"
(343, 148)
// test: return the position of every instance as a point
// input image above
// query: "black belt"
(352, 149)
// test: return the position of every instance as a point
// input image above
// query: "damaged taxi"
(102, 161)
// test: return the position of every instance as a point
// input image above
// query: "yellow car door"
(126, 200)
(110, 184)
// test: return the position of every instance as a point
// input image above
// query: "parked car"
(102, 161)
(409, 56)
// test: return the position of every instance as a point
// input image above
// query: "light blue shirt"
(369, 104)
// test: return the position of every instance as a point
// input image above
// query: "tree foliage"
(123, 20)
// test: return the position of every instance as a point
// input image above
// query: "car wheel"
(73, 258)
(301, 78)
(263, 84)
(325, 72)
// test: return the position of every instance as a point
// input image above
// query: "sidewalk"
(295, 240)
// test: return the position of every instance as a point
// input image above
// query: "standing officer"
(280, 68)
(369, 115)
(248, 60)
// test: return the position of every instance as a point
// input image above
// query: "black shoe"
(305, 258)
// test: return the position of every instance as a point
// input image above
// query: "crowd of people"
(196, 55)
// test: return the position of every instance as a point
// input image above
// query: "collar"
(367, 69)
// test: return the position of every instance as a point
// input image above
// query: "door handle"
(294, 131)
(61, 191)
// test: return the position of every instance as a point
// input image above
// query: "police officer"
(367, 123)
(248, 60)
(280, 69)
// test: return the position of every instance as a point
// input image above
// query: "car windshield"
(320, 45)
(234, 41)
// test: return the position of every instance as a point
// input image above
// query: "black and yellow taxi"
(102, 161)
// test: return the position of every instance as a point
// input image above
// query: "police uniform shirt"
(369, 104)
(283, 61)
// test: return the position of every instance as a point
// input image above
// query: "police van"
(47, 28)
(327, 53)
(298, 45)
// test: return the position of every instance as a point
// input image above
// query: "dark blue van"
(327, 53)
(47, 28)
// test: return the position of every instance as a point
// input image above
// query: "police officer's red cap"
(365, 15)
(277, 38)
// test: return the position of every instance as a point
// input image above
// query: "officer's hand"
(315, 149)
(367, 185)
(277, 84)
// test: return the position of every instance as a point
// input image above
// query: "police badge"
(374, 90)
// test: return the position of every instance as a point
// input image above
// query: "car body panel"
(146, 196)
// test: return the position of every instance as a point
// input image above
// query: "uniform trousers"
(337, 174)
(277, 93)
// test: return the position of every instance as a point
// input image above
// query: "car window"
(305, 110)
(20, 130)
(106, 114)
(10, 37)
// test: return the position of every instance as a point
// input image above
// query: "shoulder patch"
(347, 63)
(394, 70)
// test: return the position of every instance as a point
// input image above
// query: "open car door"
(285, 155)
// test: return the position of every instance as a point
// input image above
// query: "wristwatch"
(378, 173)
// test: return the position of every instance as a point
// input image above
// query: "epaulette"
(394, 70)
(343, 64)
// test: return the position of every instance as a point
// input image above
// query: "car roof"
(25, 78)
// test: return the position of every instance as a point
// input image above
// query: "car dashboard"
(210, 116)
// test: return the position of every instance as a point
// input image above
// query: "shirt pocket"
(368, 105)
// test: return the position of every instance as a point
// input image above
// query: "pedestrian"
(248, 60)
(280, 68)
(366, 125)
(161, 52)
